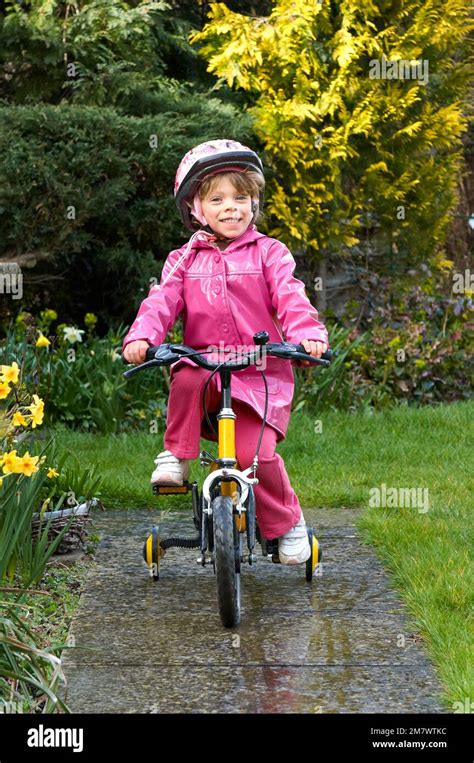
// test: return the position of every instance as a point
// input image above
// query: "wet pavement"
(341, 644)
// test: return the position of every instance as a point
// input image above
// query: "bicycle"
(225, 508)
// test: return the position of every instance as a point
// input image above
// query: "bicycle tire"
(228, 579)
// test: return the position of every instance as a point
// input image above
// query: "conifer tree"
(360, 107)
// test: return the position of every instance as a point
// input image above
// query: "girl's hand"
(315, 349)
(135, 351)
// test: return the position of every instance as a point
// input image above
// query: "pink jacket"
(225, 298)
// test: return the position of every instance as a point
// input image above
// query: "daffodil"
(42, 340)
(72, 334)
(52, 473)
(27, 464)
(9, 374)
(5, 390)
(19, 420)
(10, 462)
(37, 411)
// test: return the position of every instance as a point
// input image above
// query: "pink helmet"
(208, 159)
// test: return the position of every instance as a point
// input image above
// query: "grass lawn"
(427, 549)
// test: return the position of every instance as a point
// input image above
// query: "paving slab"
(340, 644)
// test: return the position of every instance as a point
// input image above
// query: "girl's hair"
(247, 181)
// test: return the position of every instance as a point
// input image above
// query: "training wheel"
(153, 553)
(316, 555)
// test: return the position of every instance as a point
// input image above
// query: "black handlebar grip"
(150, 353)
(328, 355)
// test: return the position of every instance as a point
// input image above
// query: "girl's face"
(226, 210)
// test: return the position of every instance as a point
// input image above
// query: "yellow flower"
(52, 473)
(42, 341)
(5, 390)
(10, 462)
(9, 374)
(37, 411)
(27, 464)
(19, 420)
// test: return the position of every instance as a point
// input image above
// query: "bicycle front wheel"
(226, 553)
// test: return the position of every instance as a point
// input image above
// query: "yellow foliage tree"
(360, 110)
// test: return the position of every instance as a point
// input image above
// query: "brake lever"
(141, 367)
(314, 361)
(158, 356)
(158, 352)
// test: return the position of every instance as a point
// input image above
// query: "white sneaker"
(293, 546)
(170, 470)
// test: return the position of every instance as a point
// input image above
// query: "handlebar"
(166, 354)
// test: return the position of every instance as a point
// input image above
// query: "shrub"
(86, 205)
(417, 348)
(80, 375)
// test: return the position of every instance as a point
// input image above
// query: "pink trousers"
(277, 505)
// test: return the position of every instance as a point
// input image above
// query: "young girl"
(230, 281)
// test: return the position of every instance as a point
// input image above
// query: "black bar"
(107, 736)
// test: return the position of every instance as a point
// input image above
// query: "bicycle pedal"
(172, 489)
